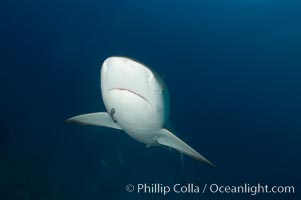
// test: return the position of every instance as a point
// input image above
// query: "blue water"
(233, 73)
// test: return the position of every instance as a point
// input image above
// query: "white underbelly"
(133, 113)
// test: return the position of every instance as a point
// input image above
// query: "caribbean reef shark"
(137, 102)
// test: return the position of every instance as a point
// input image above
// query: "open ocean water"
(233, 70)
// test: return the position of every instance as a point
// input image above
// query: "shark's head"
(133, 93)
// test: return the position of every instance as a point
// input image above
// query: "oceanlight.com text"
(250, 189)
(191, 188)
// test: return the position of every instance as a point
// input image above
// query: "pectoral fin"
(94, 119)
(166, 138)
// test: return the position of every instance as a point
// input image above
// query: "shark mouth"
(132, 92)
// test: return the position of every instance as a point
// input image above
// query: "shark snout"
(114, 67)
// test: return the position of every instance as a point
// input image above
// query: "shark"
(136, 101)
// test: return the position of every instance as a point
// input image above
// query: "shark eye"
(162, 87)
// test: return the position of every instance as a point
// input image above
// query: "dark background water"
(234, 76)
